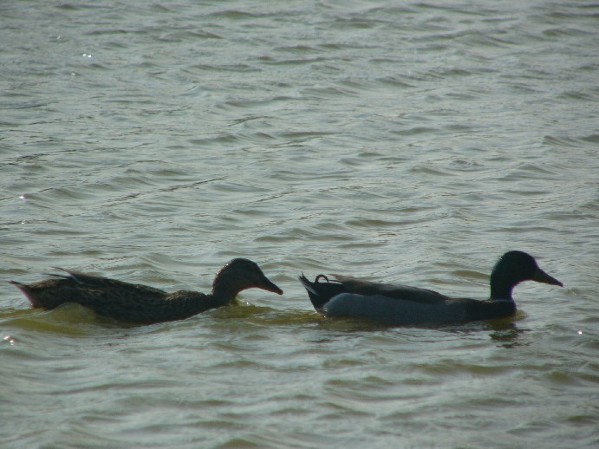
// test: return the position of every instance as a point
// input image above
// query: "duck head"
(515, 267)
(240, 274)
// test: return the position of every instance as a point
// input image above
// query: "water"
(413, 142)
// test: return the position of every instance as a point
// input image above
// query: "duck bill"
(269, 286)
(541, 276)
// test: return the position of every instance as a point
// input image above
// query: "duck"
(141, 304)
(398, 305)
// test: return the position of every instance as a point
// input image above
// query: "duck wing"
(392, 291)
(109, 286)
(116, 299)
(96, 292)
(146, 306)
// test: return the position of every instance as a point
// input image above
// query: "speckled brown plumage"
(141, 304)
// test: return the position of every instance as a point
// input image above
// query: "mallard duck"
(403, 305)
(141, 304)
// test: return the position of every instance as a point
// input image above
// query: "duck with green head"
(395, 304)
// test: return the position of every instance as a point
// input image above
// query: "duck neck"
(225, 290)
(488, 310)
(501, 289)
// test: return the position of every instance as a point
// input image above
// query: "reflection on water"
(509, 336)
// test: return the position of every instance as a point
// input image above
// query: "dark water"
(413, 142)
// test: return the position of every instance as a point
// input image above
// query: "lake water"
(411, 142)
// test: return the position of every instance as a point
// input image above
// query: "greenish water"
(411, 143)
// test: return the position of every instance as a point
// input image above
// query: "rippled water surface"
(402, 141)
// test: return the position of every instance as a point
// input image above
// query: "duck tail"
(307, 284)
(27, 292)
(320, 292)
(312, 293)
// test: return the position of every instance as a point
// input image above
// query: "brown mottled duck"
(141, 304)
